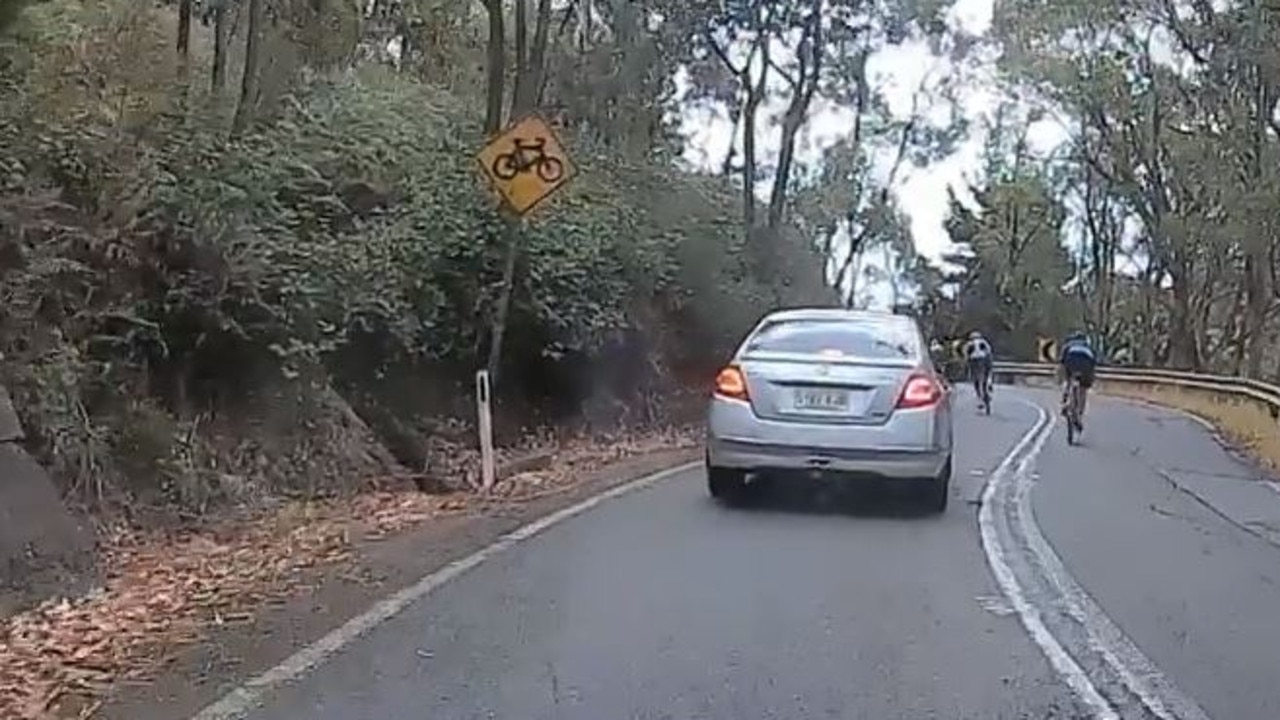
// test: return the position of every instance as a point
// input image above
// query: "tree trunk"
(538, 58)
(497, 58)
(791, 125)
(750, 114)
(220, 37)
(810, 54)
(521, 31)
(735, 119)
(530, 57)
(753, 92)
(1235, 332)
(750, 110)
(184, 34)
(1257, 304)
(637, 62)
(1257, 291)
(1183, 350)
(10, 11)
(251, 80)
(184, 50)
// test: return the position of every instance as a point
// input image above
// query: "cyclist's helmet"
(1078, 336)
(975, 335)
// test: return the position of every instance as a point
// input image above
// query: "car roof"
(826, 313)
(875, 321)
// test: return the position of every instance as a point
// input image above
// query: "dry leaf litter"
(162, 592)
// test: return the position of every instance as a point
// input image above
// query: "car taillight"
(731, 383)
(920, 391)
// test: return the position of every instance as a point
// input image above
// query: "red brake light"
(919, 391)
(731, 383)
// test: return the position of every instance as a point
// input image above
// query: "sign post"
(525, 164)
(484, 412)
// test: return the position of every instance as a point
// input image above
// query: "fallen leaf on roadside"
(162, 591)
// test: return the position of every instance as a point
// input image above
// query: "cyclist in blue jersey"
(1077, 359)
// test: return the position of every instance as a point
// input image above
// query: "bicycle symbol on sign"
(528, 156)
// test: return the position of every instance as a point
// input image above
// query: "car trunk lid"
(808, 389)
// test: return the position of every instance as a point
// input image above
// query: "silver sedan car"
(829, 393)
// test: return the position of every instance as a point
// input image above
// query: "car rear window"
(850, 338)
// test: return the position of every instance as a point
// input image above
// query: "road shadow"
(850, 498)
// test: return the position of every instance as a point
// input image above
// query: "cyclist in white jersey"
(978, 354)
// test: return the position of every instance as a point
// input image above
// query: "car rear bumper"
(761, 457)
(911, 444)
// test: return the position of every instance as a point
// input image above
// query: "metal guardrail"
(1234, 386)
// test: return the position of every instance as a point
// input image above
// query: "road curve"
(1135, 578)
(660, 604)
(1179, 543)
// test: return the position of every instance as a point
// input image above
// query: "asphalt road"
(1122, 595)
(1176, 541)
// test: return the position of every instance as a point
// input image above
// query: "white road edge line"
(243, 699)
(1135, 669)
(1072, 674)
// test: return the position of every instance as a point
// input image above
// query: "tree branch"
(740, 73)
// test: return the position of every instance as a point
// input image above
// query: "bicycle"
(982, 389)
(528, 155)
(1075, 399)
(987, 386)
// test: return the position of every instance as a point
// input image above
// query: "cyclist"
(1077, 359)
(936, 349)
(938, 354)
(978, 354)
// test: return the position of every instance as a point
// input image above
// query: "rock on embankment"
(44, 549)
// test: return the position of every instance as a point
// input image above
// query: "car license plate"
(822, 400)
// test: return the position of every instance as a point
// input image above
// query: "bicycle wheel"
(504, 167)
(550, 169)
(1079, 413)
(1073, 413)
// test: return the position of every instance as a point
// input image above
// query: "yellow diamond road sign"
(526, 163)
